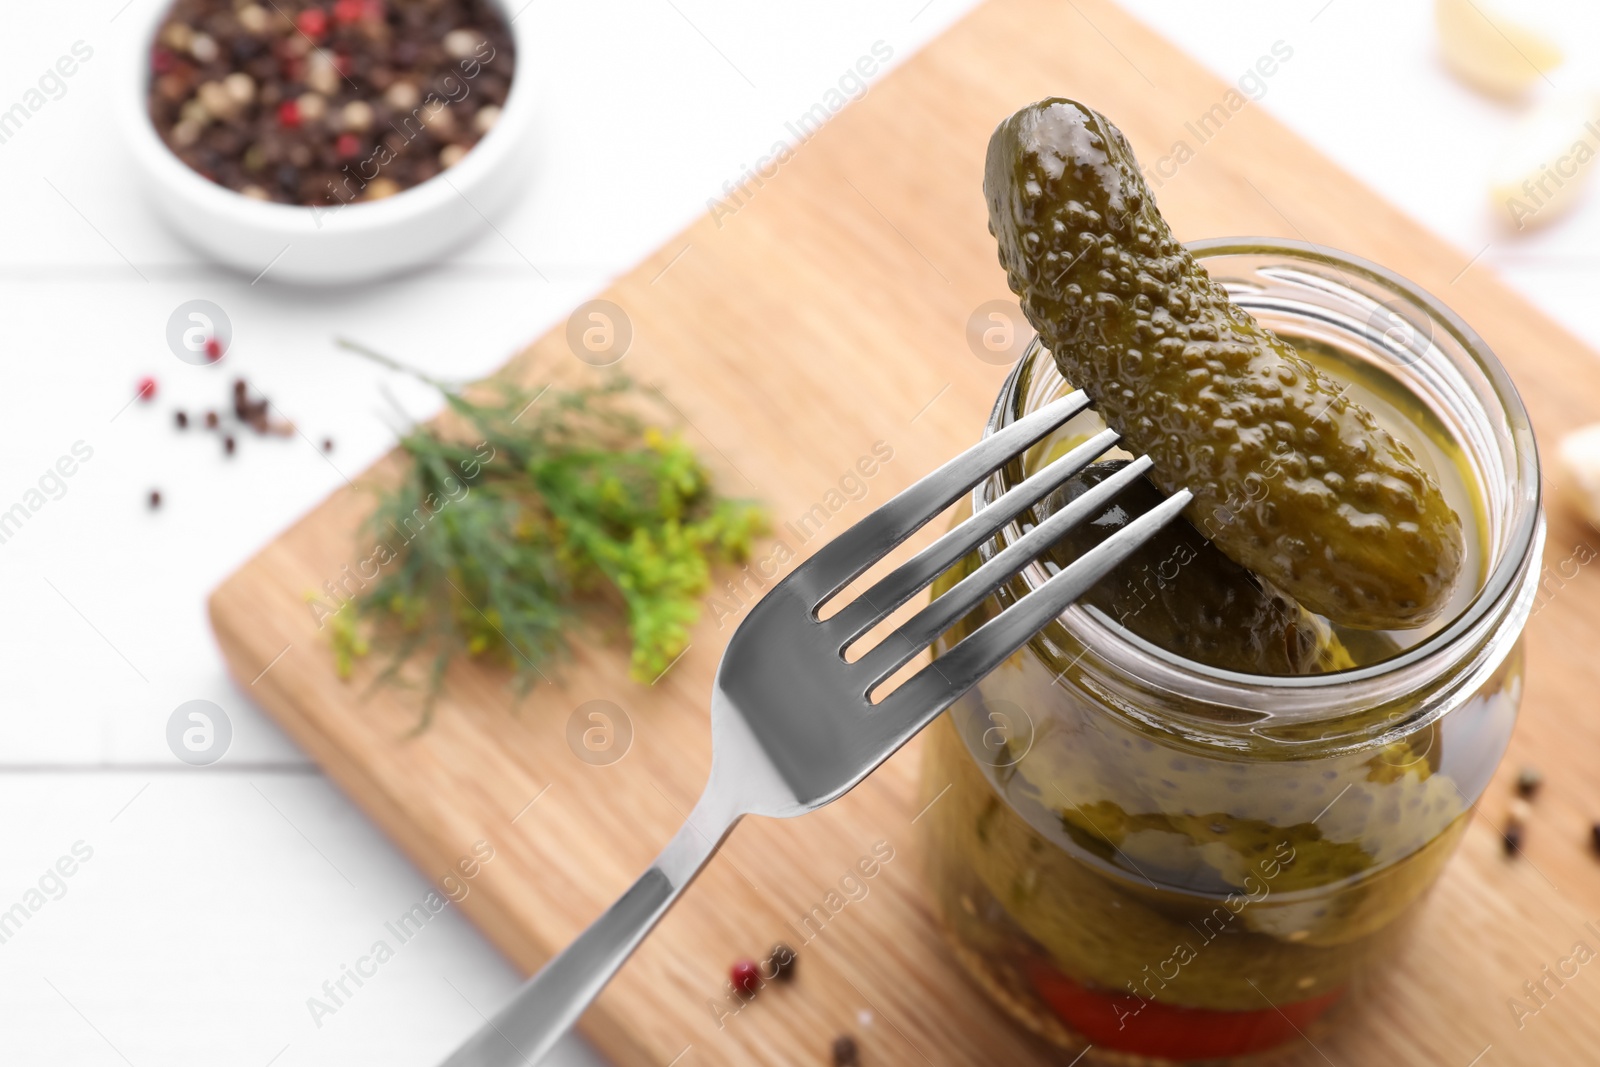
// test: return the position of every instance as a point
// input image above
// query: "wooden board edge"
(482, 909)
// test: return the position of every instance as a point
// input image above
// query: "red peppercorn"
(147, 389)
(162, 61)
(745, 976)
(213, 349)
(346, 11)
(313, 22)
(348, 145)
(289, 114)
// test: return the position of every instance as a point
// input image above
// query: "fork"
(793, 722)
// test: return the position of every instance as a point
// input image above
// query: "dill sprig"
(543, 507)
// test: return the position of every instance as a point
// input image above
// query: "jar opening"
(1403, 333)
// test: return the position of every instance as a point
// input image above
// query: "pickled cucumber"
(1112, 932)
(1292, 479)
(1180, 593)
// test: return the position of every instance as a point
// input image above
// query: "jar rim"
(1502, 597)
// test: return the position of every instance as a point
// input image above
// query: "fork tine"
(911, 577)
(921, 629)
(843, 559)
(938, 685)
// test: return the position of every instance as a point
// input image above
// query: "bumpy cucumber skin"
(1291, 478)
(1179, 592)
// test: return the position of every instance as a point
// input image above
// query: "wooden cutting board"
(823, 318)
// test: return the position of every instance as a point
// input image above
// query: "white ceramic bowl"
(349, 243)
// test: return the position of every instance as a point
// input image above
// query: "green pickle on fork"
(1107, 870)
(1292, 478)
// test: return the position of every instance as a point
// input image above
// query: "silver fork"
(793, 725)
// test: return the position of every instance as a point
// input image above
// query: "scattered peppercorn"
(249, 411)
(1594, 836)
(1528, 782)
(845, 1051)
(1512, 839)
(783, 962)
(147, 388)
(1519, 812)
(745, 976)
(213, 349)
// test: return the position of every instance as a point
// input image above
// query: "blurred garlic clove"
(1547, 160)
(1487, 47)
(1579, 460)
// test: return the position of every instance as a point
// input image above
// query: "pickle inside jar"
(1067, 870)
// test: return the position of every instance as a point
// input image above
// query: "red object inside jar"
(1128, 1023)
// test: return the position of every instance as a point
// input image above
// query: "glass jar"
(1162, 861)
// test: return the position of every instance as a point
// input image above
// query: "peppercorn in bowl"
(331, 141)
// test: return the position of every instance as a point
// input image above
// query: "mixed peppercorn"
(1520, 812)
(325, 104)
(250, 410)
(747, 976)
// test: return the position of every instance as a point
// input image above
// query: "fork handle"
(550, 1002)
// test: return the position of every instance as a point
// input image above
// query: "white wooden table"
(214, 902)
